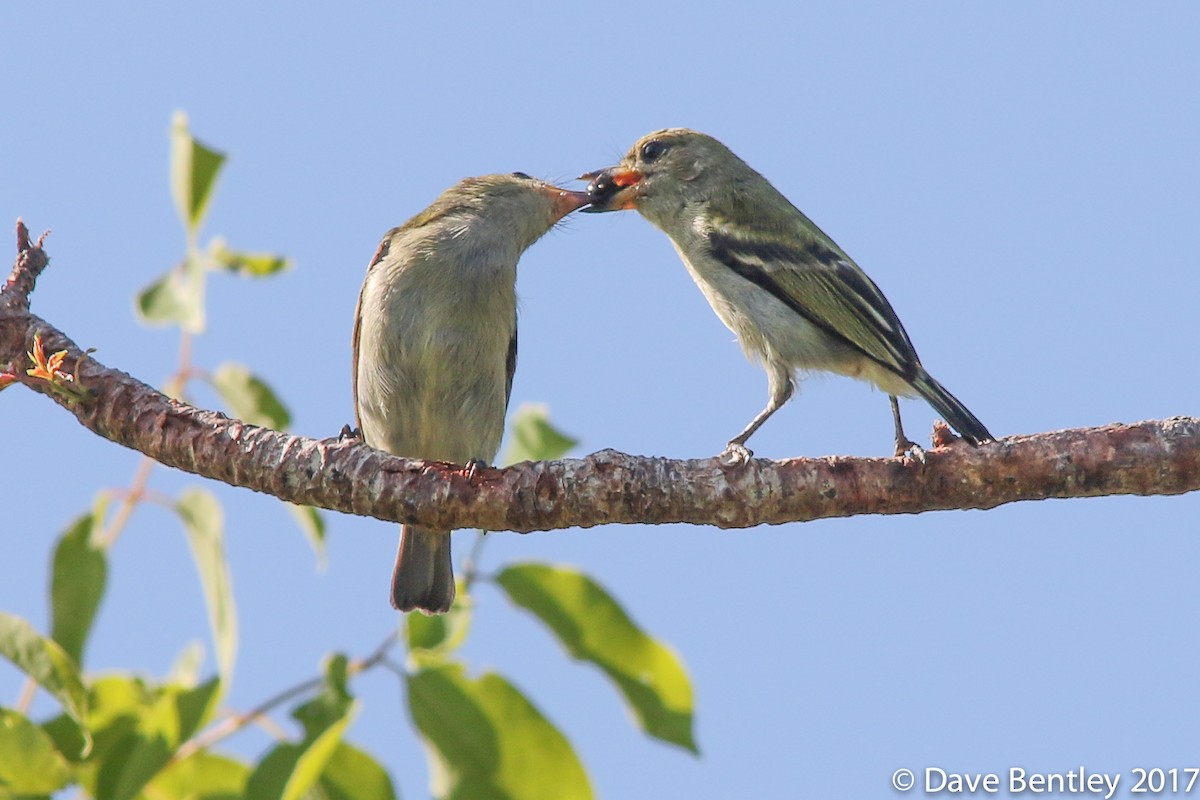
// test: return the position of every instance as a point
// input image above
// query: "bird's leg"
(472, 467)
(903, 444)
(781, 391)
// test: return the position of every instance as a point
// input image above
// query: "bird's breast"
(432, 365)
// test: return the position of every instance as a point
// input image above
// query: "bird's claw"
(348, 434)
(909, 449)
(472, 467)
(736, 454)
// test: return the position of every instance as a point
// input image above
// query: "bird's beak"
(566, 201)
(613, 189)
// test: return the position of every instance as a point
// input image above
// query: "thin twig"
(25, 700)
(235, 722)
(31, 260)
(471, 565)
(132, 496)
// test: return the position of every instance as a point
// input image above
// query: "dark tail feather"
(955, 413)
(424, 575)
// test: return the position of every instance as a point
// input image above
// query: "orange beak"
(566, 201)
(613, 189)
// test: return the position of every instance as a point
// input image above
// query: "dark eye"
(521, 175)
(652, 150)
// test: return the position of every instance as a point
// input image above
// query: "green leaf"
(78, 578)
(115, 704)
(140, 725)
(593, 627)
(177, 298)
(534, 438)
(129, 765)
(290, 770)
(194, 706)
(47, 664)
(201, 514)
(201, 776)
(312, 525)
(194, 169)
(70, 739)
(433, 638)
(186, 669)
(29, 762)
(488, 741)
(351, 774)
(249, 398)
(116, 696)
(139, 740)
(333, 701)
(253, 265)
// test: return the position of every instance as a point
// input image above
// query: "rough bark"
(1144, 458)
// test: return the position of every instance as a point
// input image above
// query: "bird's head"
(513, 204)
(663, 172)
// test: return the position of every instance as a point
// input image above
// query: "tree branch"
(1146, 458)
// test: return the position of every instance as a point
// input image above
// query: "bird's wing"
(510, 366)
(380, 254)
(810, 275)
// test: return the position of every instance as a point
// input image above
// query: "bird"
(791, 295)
(435, 344)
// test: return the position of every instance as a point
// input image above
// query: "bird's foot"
(909, 449)
(348, 434)
(472, 467)
(736, 454)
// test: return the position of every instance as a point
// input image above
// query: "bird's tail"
(424, 575)
(954, 412)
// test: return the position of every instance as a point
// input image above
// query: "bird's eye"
(652, 150)
(521, 175)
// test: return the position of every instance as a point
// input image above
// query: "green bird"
(794, 299)
(435, 344)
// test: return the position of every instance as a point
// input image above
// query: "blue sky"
(1020, 179)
